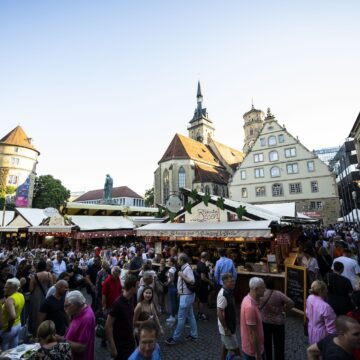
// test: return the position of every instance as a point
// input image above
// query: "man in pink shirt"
(252, 334)
(81, 332)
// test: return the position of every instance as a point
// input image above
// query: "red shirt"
(111, 288)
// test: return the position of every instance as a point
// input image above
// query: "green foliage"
(188, 207)
(240, 211)
(206, 198)
(220, 203)
(193, 194)
(49, 192)
(171, 215)
(149, 197)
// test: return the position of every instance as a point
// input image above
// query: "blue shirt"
(137, 356)
(224, 265)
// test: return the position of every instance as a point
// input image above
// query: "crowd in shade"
(63, 299)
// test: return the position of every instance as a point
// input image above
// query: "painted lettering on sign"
(204, 215)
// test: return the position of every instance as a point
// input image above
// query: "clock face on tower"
(173, 203)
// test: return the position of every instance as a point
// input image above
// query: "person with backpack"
(186, 289)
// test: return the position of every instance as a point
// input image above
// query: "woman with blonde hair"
(320, 315)
(10, 314)
(50, 348)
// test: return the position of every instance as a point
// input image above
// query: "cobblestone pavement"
(207, 347)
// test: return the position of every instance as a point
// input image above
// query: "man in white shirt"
(351, 267)
(59, 264)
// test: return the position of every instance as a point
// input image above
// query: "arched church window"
(216, 190)
(207, 190)
(182, 177)
(166, 185)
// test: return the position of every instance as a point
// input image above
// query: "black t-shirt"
(54, 310)
(339, 289)
(92, 271)
(136, 263)
(123, 330)
(331, 351)
(201, 268)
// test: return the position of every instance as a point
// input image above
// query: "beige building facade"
(278, 168)
(18, 160)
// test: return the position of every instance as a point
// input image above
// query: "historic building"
(121, 195)
(196, 161)
(347, 177)
(278, 168)
(18, 160)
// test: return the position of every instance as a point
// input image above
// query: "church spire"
(201, 128)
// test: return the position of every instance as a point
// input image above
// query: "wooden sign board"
(296, 286)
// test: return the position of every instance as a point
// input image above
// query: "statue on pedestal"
(108, 189)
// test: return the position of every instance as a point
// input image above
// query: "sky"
(103, 86)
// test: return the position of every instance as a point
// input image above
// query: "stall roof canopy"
(277, 212)
(9, 215)
(243, 229)
(90, 223)
(73, 208)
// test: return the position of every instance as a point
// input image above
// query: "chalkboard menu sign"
(295, 286)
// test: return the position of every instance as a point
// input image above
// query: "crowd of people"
(64, 299)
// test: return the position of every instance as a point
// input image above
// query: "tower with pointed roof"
(201, 127)
(18, 160)
(253, 122)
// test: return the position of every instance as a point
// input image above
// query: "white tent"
(353, 216)
(245, 229)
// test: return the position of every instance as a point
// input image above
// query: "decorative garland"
(220, 203)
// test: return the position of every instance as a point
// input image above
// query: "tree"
(49, 192)
(6, 190)
(149, 197)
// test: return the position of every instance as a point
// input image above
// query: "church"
(196, 161)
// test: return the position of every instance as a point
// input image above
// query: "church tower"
(201, 128)
(253, 122)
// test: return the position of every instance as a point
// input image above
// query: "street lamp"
(356, 209)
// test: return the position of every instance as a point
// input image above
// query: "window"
(314, 186)
(243, 175)
(258, 157)
(251, 132)
(182, 178)
(259, 172)
(292, 168)
(262, 142)
(281, 138)
(316, 205)
(216, 190)
(272, 140)
(166, 185)
(12, 180)
(295, 188)
(14, 161)
(311, 166)
(275, 171)
(260, 191)
(290, 152)
(244, 192)
(277, 190)
(207, 190)
(273, 155)
(16, 149)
